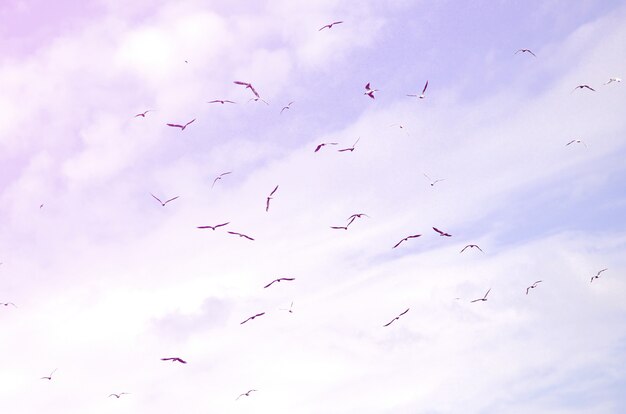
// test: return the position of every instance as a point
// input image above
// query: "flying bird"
(247, 394)
(143, 114)
(174, 359)
(9, 303)
(534, 285)
(483, 299)
(525, 51)
(248, 86)
(259, 99)
(213, 227)
(611, 80)
(396, 318)
(423, 94)
(118, 395)
(369, 91)
(278, 280)
(442, 233)
(356, 216)
(219, 177)
(286, 107)
(323, 144)
(433, 182)
(182, 127)
(252, 317)
(597, 275)
(222, 101)
(351, 148)
(49, 377)
(269, 197)
(330, 26)
(240, 235)
(471, 246)
(583, 86)
(163, 203)
(576, 141)
(290, 308)
(405, 239)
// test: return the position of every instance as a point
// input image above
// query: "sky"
(106, 281)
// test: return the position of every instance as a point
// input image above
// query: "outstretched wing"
(425, 86)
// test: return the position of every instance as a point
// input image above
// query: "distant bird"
(174, 359)
(286, 107)
(369, 91)
(471, 246)
(143, 114)
(433, 182)
(118, 395)
(290, 308)
(41, 206)
(611, 80)
(213, 227)
(49, 377)
(247, 394)
(323, 144)
(534, 285)
(330, 26)
(9, 303)
(163, 203)
(396, 318)
(405, 239)
(483, 299)
(222, 101)
(351, 148)
(442, 233)
(597, 275)
(252, 317)
(583, 86)
(401, 127)
(278, 280)
(248, 86)
(182, 127)
(240, 235)
(259, 99)
(356, 216)
(219, 177)
(423, 94)
(525, 51)
(576, 141)
(269, 197)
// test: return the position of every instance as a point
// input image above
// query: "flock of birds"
(370, 92)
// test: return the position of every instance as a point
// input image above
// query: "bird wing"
(324, 27)
(602, 270)
(156, 198)
(339, 227)
(398, 244)
(267, 204)
(221, 225)
(254, 91)
(464, 249)
(269, 284)
(367, 87)
(247, 237)
(404, 312)
(259, 314)
(287, 278)
(527, 289)
(243, 323)
(206, 227)
(273, 191)
(425, 86)
(590, 88)
(390, 322)
(478, 247)
(190, 122)
(171, 199)
(531, 52)
(241, 83)
(175, 125)
(485, 297)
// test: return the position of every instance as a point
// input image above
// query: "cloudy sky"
(106, 281)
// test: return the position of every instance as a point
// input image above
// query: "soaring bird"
(584, 86)
(278, 280)
(269, 197)
(597, 275)
(323, 144)
(118, 395)
(483, 299)
(330, 25)
(396, 318)
(423, 94)
(213, 227)
(433, 182)
(534, 285)
(369, 91)
(219, 177)
(286, 107)
(163, 203)
(49, 377)
(252, 317)
(182, 127)
(611, 80)
(576, 141)
(442, 233)
(525, 51)
(9, 303)
(143, 114)
(471, 246)
(222, 101)
(405, 239)
(174, 359)
(248, 86)
(351, 148)
(247, 394)
(288, 310)
(356, 216)
(240, 235)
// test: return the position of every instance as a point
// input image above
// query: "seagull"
(330, 26)
(163, 203)
(290, 308)
(525, 50)
(219, 177)
(405, 239)
(484, 298)
(182, 127)
(471, 246)
(369, 91)
(583, 86)
(534, 285)
(143, 114)
(257, 100)
(351, 148)
(248, 86)
(8, 303)
(576, 141)
(118, 395)
(240, 235)
(49, 377)
(174, 359)
(356, 216)
(286, 107)
(222, 101)
(423, 95)
(319, 147)
(252, 317)
(212, 227)
(433, 182)
(269, 197)
(247, 394)
(442, 233)
(597, 275)
(611, 80)
(278, 280)
(396, 318)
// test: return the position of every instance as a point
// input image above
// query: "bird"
(143, 114)
(163, 203)
(611, 80)
(118, 395)
(330, 26)
(351, 148)
(49, 377)
(248, 86)
(525, 51)
(252, 317)
(247, 394)
(583, 86)
(269, 197)
(471, 246)
(258, 99)
(396, 318)
(182, 127)
(240, 235)
(423, 94)
(483, 299)
(369, 91)
(213, 227)
(40, 206)
(442, 233)
(597, 275)
(290, 308)
(219, 177)
(278, 280)
(356, 216)
(222, 101)
(405, 239)
(323, 144)
(174, 359)
(8, 303)
(433, 182)
(534, 285)
(576, 141)
(286, 107)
